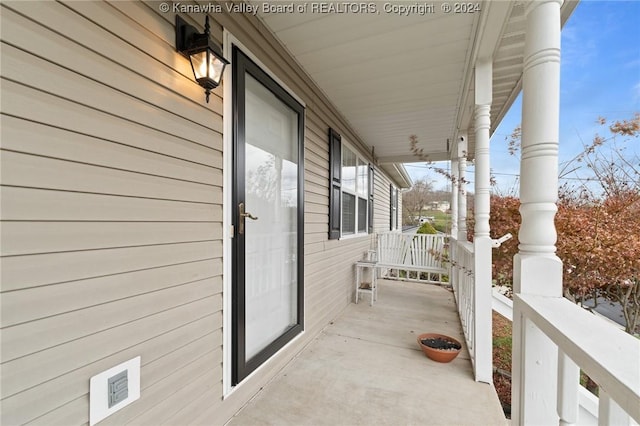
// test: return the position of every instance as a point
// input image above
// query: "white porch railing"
(592, 344)
(587, 402)
(585, 342)
(462, 271)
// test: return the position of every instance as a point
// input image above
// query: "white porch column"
(454, 196)
(481, 239)
(462, 187)
(537, 270)
(453, 252)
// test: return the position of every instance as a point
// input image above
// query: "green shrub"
(426, 228)
(440, 227)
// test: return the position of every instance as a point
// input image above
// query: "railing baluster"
(610, 413)
(568, 383)
(462, 268)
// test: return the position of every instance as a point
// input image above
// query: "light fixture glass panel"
(216, 67)
(199, 63)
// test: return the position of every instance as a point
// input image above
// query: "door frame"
(229, 40)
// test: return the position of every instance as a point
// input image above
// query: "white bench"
(420, 256)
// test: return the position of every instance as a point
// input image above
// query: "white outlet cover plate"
(99, 395)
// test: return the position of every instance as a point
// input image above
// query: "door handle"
(242, 216)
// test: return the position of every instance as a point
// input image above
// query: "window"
(351, 191)
(355, 193)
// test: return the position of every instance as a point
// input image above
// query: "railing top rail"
(407, 238)
(421, 235)
(466, 245)
(608, 355)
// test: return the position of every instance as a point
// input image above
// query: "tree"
(598, 221)
(414, 200)
(599, 242)
(601, 221)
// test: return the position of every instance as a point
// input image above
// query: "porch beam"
(537, 269)
(481, 239)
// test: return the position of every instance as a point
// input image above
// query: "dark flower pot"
(439, 347)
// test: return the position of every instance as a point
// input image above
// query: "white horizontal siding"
(42, 204)
(18, 271)
(37, 369)
(112, 211)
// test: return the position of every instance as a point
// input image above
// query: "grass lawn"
(441, 220)
(502, 360)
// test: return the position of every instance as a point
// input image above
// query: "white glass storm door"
(268, 216)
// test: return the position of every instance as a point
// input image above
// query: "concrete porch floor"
(366, 368)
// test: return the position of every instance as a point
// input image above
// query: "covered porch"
(366, 368)
(452, 99)
(119, 181)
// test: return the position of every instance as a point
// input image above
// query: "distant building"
(443, 206)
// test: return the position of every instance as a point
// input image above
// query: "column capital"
(532, 4)
(543, 17)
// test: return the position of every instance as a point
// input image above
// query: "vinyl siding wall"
(111, 172)
(382, 203)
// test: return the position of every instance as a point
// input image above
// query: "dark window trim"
(335, 184)
(371, 190)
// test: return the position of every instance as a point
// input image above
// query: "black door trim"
(243, 65)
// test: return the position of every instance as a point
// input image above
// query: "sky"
(599, 77)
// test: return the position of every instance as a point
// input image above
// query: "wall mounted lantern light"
(205, 55)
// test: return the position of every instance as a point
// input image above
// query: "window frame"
(360, 162)
(337, 190)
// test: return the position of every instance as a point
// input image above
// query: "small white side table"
(366, 287)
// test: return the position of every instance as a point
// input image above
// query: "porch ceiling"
(393, 76)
